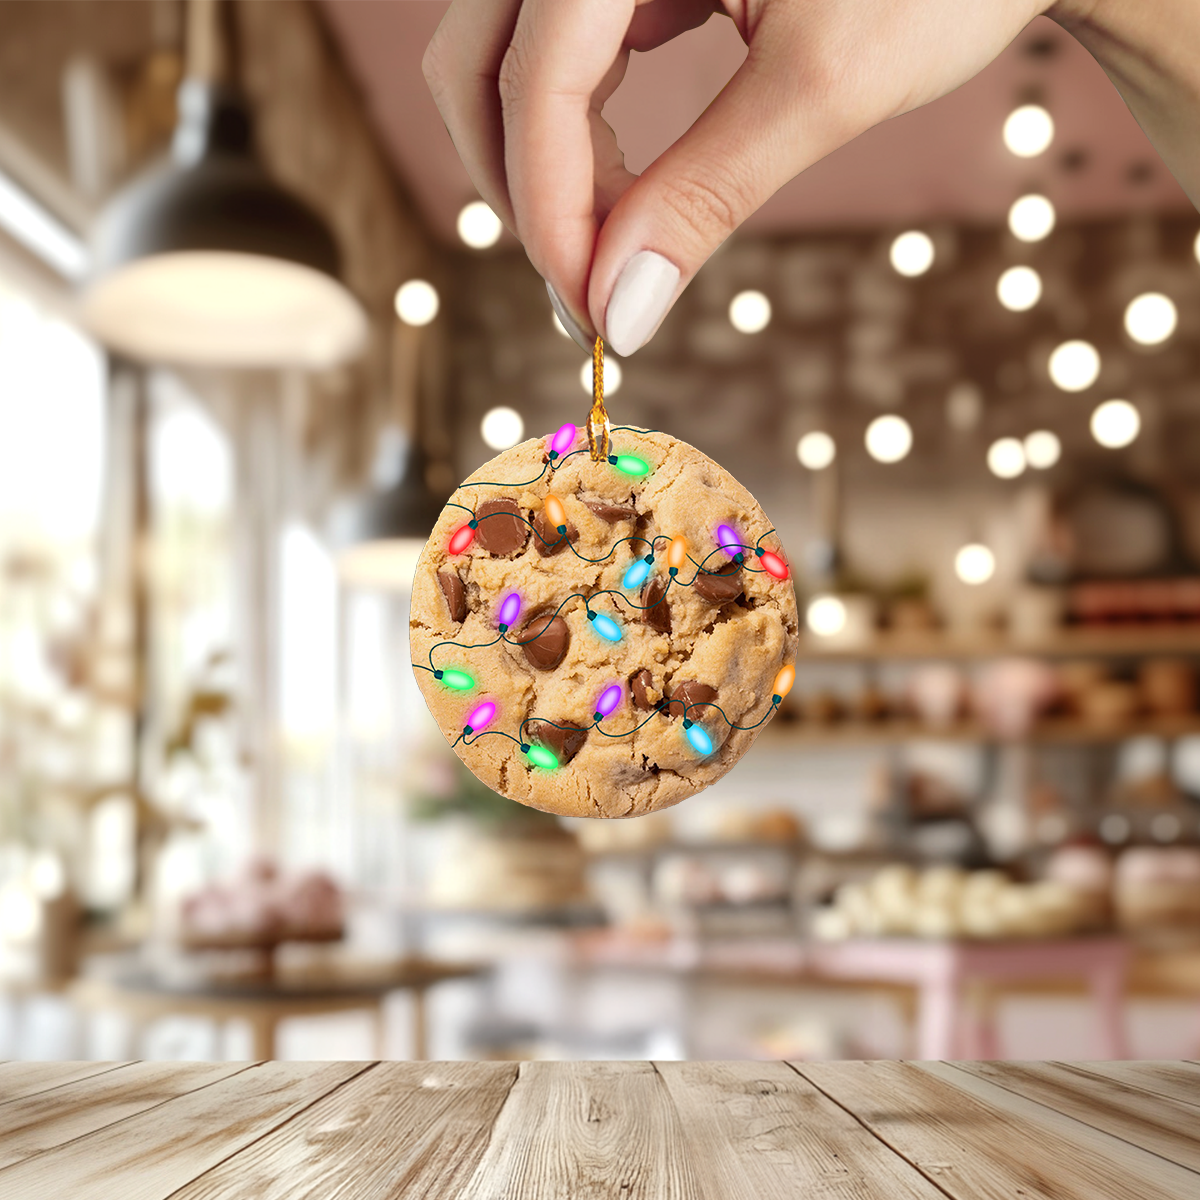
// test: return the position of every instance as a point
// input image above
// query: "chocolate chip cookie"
(611, 654)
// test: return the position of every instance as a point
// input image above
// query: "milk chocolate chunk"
(455, 593)
(564, 738)
(502, 529)
(612, 513)
(720, 586)
(545, 640)
(548, 540)
(691, 692)
(656, 611)
(639, 683)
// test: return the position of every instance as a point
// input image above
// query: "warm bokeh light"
(826, 616)
(1019, 288)
(974, 563)
(1196, 247)
(478, 226)
(612, 375)
(912, 253)
(1031, 218)
(559, 327)
(889, 439)
(1042, 449)
(1028, 130)
(1074, 366)
(1115, 423)
(1151, 318)
(1006, 458)
(816, 450)
(416, 302)
(502, 427)
(750, 312)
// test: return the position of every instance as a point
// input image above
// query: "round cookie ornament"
(603, 620)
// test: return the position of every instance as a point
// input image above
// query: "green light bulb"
(457, 681)
(630, 464)
(541, 757)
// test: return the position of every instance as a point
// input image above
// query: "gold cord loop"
(597, 422)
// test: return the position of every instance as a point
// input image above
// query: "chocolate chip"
(689, 693)
(720, 586)
(612, 513)
(565, 738)
(545, 640)
(455, 593)
(639, 682)
(549, 541)
(656, 611)
(502, 529)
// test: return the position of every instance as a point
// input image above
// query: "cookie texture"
(699, 648)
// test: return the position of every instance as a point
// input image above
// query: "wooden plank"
(51, 1118)
(587, 1131)
(1164, 1127)
(1175, 1080)
(20, 1079)
(977, 1141)
(757, 1129)
(148, 1156)
(402, 1129)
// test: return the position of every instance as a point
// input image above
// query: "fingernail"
(568, 322)
(639, 301)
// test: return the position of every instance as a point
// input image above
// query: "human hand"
(521, 85)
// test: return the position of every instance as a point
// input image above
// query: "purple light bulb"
(728, 540)
(509, 610)
(610, 698)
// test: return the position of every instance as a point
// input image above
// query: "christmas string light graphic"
(754, 558)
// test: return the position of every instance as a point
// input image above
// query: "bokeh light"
(1074, 366)
(417, 302)
(478, 226)
(912, 253)
(750, 312)
(816, 450)
(826, 616)
(1151, 318)
(1028, 130)
(1115, 423)
(1006, 458)
(1019, 288)
(502, 427)
(974, 563)
(1042, 449)
(612, 375)
(1031, 217)
(889, 439)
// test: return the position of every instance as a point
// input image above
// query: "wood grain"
(757, 1129)
(51, 1118)
(1175, 1080)
(402, 1129)
(586, 1131)
(20, 1079)
(148, 1156)
(978, 1141)
(1162, 1126)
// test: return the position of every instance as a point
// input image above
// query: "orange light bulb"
(555, 511)
(784, 681)
(677, 554)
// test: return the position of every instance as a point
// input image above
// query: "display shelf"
(1112, 641)
(1055, 730)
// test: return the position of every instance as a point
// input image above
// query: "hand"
(521, 85)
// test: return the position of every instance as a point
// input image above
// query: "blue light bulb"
(700, 740)
(636, 575)
(606, 627)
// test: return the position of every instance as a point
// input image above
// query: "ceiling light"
(750, 312)
(612, 375)
(912, 253)
(478, 226)
(1031, 218)
(816, 450)
(1006, 458)
(889, 439)
(1028, 130)
(1019, 288)
(974, 563)
(502, 427)
(204, 260)
(1074, 366)
(1151, 318)
(417, 302)
(826, 616)
(1115, 423)
(1042, 449)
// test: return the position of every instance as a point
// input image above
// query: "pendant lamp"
(203, 259)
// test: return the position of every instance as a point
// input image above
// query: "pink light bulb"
(563, 440)
(481, 717)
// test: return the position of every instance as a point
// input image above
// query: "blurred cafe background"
(255, 323)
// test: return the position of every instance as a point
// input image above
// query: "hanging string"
(597, 422)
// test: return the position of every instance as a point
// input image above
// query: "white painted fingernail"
(639, 301)
(567, 321)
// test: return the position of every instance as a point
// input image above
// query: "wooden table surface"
(570, 1131)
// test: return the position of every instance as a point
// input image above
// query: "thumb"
(767, 125)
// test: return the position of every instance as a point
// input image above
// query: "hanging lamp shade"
(204, 260)
(377, 536)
